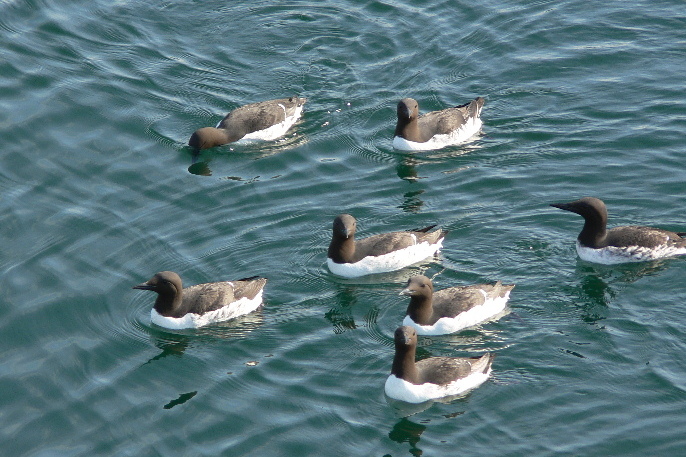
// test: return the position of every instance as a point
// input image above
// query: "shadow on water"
(183, 398)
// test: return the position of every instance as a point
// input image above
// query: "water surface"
(99, 191)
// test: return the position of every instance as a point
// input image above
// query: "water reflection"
(406, 169)
(625, 273)
(406, 431)
(239, 327)
(594, 296)
(634, 272)
(396, 277)
(412, 202)
(404, 410)
(200, 168)
(200, 160)
(598, 284)
(340, 315)
(174, 346)
(407, 162)
(474, 339)
(175, 342)
(597, 291)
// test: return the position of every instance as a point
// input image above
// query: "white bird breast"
(468, 130)
(612, 255)
(418, 393)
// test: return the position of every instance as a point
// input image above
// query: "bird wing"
(444, 370)
(248, 287)
(632, 235)
(440, 122)
(259, 116)
(455, 300)
(207, 297)
(382, 244)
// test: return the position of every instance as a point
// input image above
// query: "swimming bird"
(436, 129)
(379, 253)
(629, 243)
(434, 377)
(267, 120)
(452, 309)
(178, 307)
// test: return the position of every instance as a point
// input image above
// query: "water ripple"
(97, 103)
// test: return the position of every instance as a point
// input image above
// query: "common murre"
(177, 307)
(380, 253)
(631, 243)
(435, 129)
(433, 377)
(266, 120)
(455, 308)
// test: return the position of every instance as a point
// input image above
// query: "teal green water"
(97, 101)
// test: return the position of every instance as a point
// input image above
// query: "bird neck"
(169, 304)
(404, 366)
(420, 309)
(594, 232)
(341, 249)
(408, 129)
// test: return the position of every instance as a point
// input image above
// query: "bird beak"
(407, 291)
(564, 206)
(143, 286)
(406, 339)
(406, 111)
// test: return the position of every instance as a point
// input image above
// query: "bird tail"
(422, 230)
(483, 363)
(251, 278)
(473, 107)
